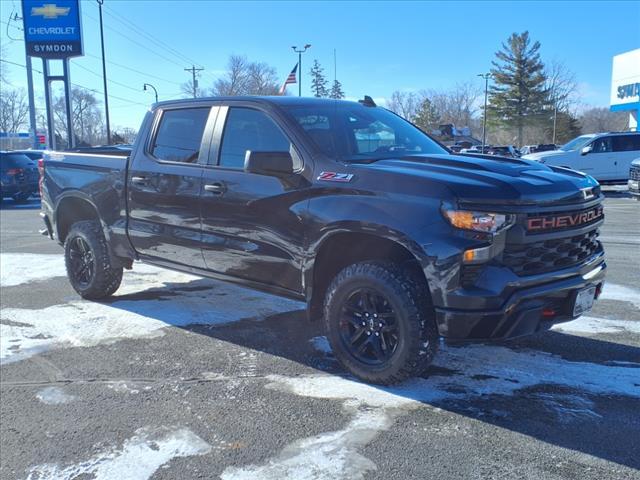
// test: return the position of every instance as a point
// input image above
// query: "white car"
(634, 179)
(605, 156)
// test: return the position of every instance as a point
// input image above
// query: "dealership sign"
(625, 81)
(52, 29)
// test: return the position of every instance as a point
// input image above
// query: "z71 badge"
(335, 177)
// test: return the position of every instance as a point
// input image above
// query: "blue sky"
(381, 46)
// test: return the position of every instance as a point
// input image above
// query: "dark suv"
(18, 176)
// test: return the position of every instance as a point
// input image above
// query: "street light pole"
(104, 75)
(300, 52)
(486, 77)
(144, 87)
(555, 112)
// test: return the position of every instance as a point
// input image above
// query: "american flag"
(290, 79)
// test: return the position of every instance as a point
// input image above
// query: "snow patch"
(165, 298)
(593, 325)
(613, 291)
(321, 344)
(330, 456)
(138, 459)
(569, 408)
(54, 396)
(20, 268)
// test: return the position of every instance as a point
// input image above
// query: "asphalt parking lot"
(179, 377)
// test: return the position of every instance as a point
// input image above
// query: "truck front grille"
(634, 173)
(546, 256)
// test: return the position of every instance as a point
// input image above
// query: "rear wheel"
(380, 323)
(88, 261)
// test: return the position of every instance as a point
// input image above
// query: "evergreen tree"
(427, 116)
(318, 81)
(518, 95)
(567, 128)
(336, 90)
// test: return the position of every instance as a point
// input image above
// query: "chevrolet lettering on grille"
(565, 220)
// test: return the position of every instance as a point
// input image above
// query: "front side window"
(248, 129)
(602, 145)
(353, 132)
(577, 143)
(180, 135)
(626, 143)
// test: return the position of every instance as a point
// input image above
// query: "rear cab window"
(626, 143)
(179, 135)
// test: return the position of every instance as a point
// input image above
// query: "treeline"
(526, 96)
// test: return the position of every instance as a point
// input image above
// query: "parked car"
(18, 176)
(392, 241)
(634, 179)
(34, 155)
(605, 156)
(504, 151)
(476, 149)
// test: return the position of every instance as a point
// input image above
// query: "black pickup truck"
(392, 240)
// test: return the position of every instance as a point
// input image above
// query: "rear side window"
(180, 135)
(15, 160)
(248, 129)
(626, 143)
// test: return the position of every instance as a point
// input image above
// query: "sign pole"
(47, 100)
(32, 105)
(67, 102)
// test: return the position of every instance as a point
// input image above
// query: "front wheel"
(88, 261)
(379, 322)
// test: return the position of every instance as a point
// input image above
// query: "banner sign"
(52, 29)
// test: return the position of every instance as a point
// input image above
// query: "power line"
(136, 42)
(157, 41)
(133, 102)
(108, 79)
(146, 74)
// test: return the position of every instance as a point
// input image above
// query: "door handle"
(215, 188)
(139, 180)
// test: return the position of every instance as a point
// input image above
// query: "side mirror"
(268, 163)
(586, 150)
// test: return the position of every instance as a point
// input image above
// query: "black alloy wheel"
(82, 262)
(369, 327)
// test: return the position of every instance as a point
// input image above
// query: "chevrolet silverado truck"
(393, 242)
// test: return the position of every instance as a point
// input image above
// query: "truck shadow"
(574, 392)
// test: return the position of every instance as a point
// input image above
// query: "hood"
(538, 155)
(491, 180)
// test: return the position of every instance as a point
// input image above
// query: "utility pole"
(555, 112)
(104, 75)
(486, 77)
(194, 71)
(300, 52)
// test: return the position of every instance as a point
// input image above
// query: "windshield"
(353, 132)
(576, 143)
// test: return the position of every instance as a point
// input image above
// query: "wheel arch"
(338, 249)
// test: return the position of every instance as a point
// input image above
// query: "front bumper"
(634, 187)
(525, 311)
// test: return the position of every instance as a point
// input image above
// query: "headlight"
(478, 221)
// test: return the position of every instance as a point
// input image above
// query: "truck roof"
(274, 100)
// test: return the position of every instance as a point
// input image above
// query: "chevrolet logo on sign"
(50, 10)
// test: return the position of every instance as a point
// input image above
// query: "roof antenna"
(368, 101)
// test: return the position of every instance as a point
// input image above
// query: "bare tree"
(14, 109)
(126, 134)
(405, 104)
(86, 117)
(457, 105)
(244, 77)
(601, 119)
(562, 86)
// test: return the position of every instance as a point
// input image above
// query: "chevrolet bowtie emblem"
(50, 10)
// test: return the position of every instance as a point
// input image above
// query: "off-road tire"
(409, 297)
(106, 278)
